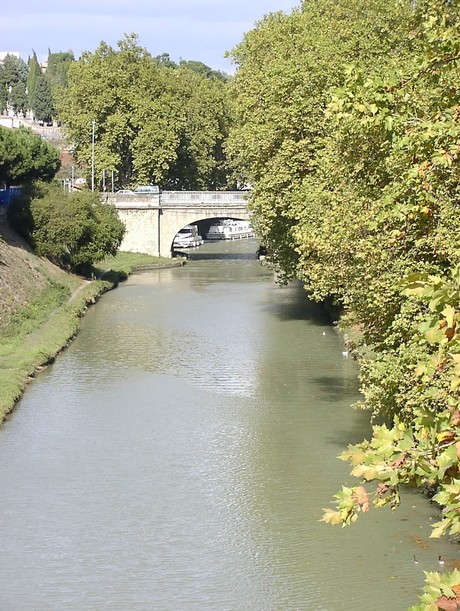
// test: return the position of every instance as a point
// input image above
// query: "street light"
(92, 157)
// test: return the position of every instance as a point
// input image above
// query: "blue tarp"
(6, 195)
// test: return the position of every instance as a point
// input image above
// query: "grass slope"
(41, 305)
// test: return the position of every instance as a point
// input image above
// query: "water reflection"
(179, 454)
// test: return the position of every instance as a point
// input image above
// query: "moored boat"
(188, 237)
(230, 229)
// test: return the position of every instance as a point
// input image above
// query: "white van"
(147, 189)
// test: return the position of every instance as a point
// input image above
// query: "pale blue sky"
(186, 29)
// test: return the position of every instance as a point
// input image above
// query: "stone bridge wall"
(152, 220)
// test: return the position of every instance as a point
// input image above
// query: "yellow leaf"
(449, 314)
(437, 531)
(331, 517)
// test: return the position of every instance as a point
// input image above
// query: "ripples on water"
(179, 454)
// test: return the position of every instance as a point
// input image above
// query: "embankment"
(40, 308)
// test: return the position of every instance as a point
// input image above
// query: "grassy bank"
(37, 333)
(123, 264)
(41, 308)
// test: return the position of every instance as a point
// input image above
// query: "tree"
(42, 102)
(348, 127)
(164, 61)
(57, 68)
(15, 75)
(3, 91)
(152, 124)
(409, 313)
(286, 68)
(35, 72)
(25, 157)
(72, 230)
(203, 70)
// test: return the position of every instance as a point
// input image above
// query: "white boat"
(188, 237)
(230, 230)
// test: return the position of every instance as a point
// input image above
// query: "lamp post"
(92, 157)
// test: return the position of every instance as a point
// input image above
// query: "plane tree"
(152, 124)
(349, 133)
(286, 68)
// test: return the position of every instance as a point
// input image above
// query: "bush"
(72, 230)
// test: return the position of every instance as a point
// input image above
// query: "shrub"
(72, 230)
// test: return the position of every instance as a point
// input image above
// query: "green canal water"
(178, 456)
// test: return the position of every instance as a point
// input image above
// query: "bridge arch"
(153, 220)
(176, 223)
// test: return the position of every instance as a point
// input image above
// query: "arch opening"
(197, 232)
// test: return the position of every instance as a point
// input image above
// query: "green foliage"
(41, 101)
(348, 127)
(15, 77)
(15, 70)
(34, 73)
(40, 332)
(286, 69)
(25, 157)
(72, 230)
(153, 123)
(203, 70)
(442, 591)
(408, 123)
(121, 265)
(36, 313)
(3, 91)
(164, 61)
(57, 68)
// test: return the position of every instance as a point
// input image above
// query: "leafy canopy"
(153, 123)
(72, 230)
(25, 157)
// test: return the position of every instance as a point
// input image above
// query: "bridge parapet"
(209, 198)
(153, 219)
(132, 200)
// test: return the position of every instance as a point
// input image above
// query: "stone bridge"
(153, 219)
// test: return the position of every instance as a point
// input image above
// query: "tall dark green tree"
(42, 101)
(3, 91)
(35, 72)
(57, 68)
(15, 75)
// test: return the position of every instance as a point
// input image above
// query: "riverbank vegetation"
(154, 122)
(38, 332)
(347, 127)
(73, 230)
(123, 264)
(41, 306)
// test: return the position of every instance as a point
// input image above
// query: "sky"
(200, 30)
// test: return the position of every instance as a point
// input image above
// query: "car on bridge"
(147, 189)
(124, 191)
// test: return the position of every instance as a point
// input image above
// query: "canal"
(178, 456)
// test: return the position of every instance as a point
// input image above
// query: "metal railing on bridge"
(204, 197)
